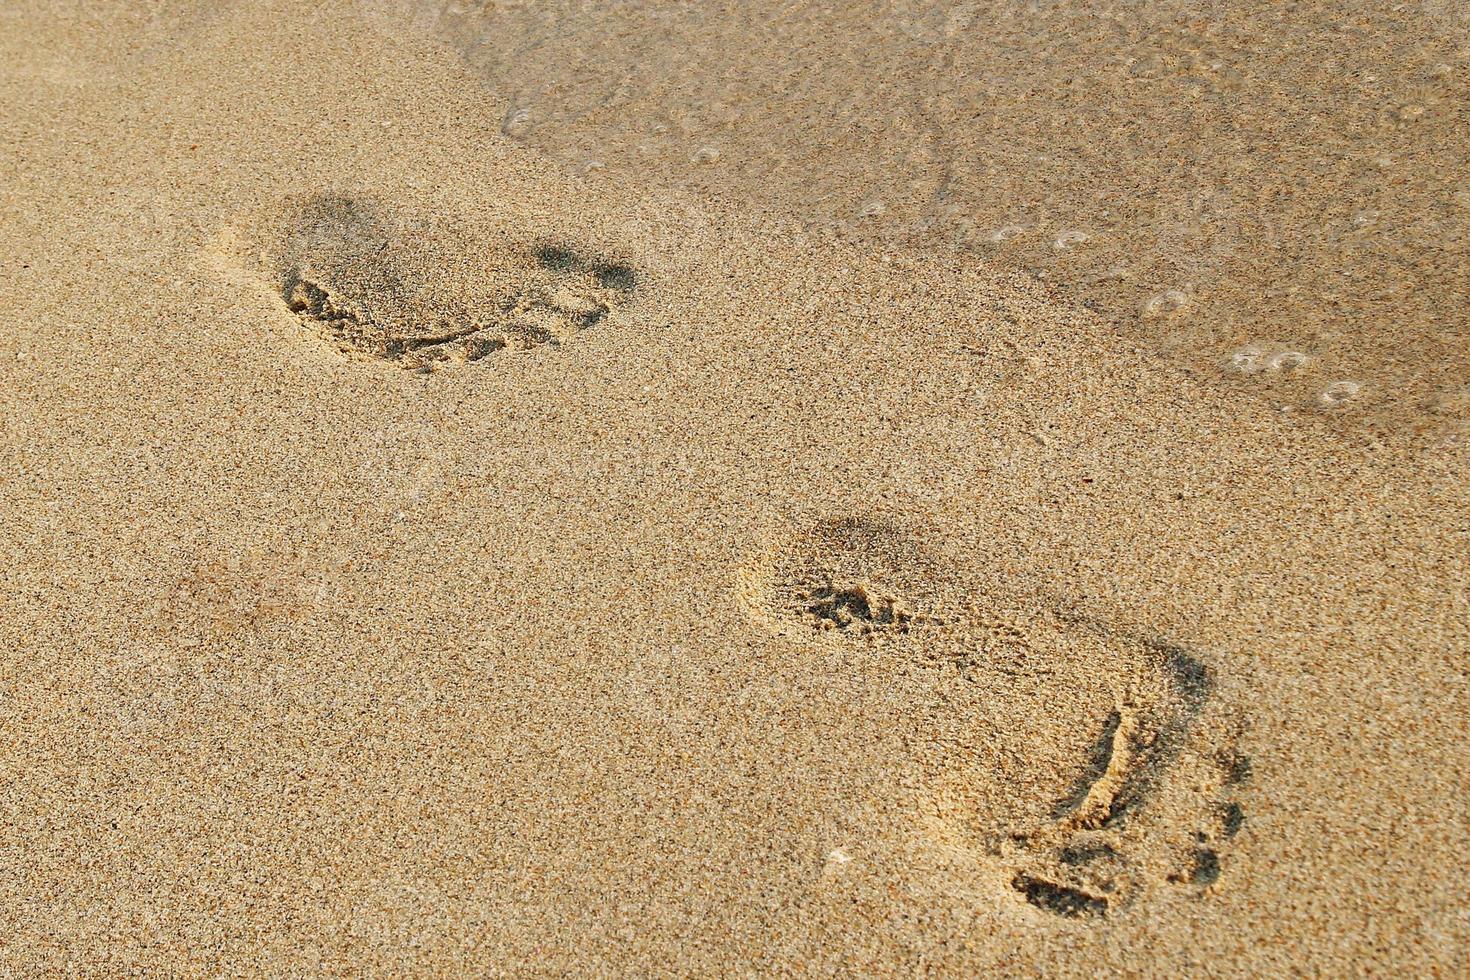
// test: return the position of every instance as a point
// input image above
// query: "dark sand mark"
(1073, 903)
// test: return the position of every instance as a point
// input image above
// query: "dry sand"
(423, 559)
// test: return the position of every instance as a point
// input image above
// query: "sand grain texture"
(421, 559)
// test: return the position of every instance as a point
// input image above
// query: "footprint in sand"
(1143, 785)
(421, 292)
(1152, 804)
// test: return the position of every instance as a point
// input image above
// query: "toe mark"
(1072, 903)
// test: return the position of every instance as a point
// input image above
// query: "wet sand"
(426, 558)
(1253, 182)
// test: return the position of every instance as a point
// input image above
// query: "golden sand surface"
(424, 558)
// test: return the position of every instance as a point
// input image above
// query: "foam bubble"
(517, 121)
(1246, 360)
(1113, 273)
(1286, 361)
(1167, 303)
(1005, 232)
(1070, 239)
(1339, 393)
(705, 154)
(873, 209)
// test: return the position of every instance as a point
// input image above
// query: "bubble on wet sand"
(704, 155)
(1256, 358)
(1286, 361)
(873, 209)
(1112, 274)
(1005, 233)
(1070, 239)
(517, 121)
(1339, 393)
(1246, 360)
(1166, 304)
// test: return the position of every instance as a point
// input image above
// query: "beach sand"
(431, 555)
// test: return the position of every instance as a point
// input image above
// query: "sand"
(430, 557)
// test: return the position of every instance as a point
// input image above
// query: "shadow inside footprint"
(564, 260)
(1136, 743)
(1074, 903)
(855, 605)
